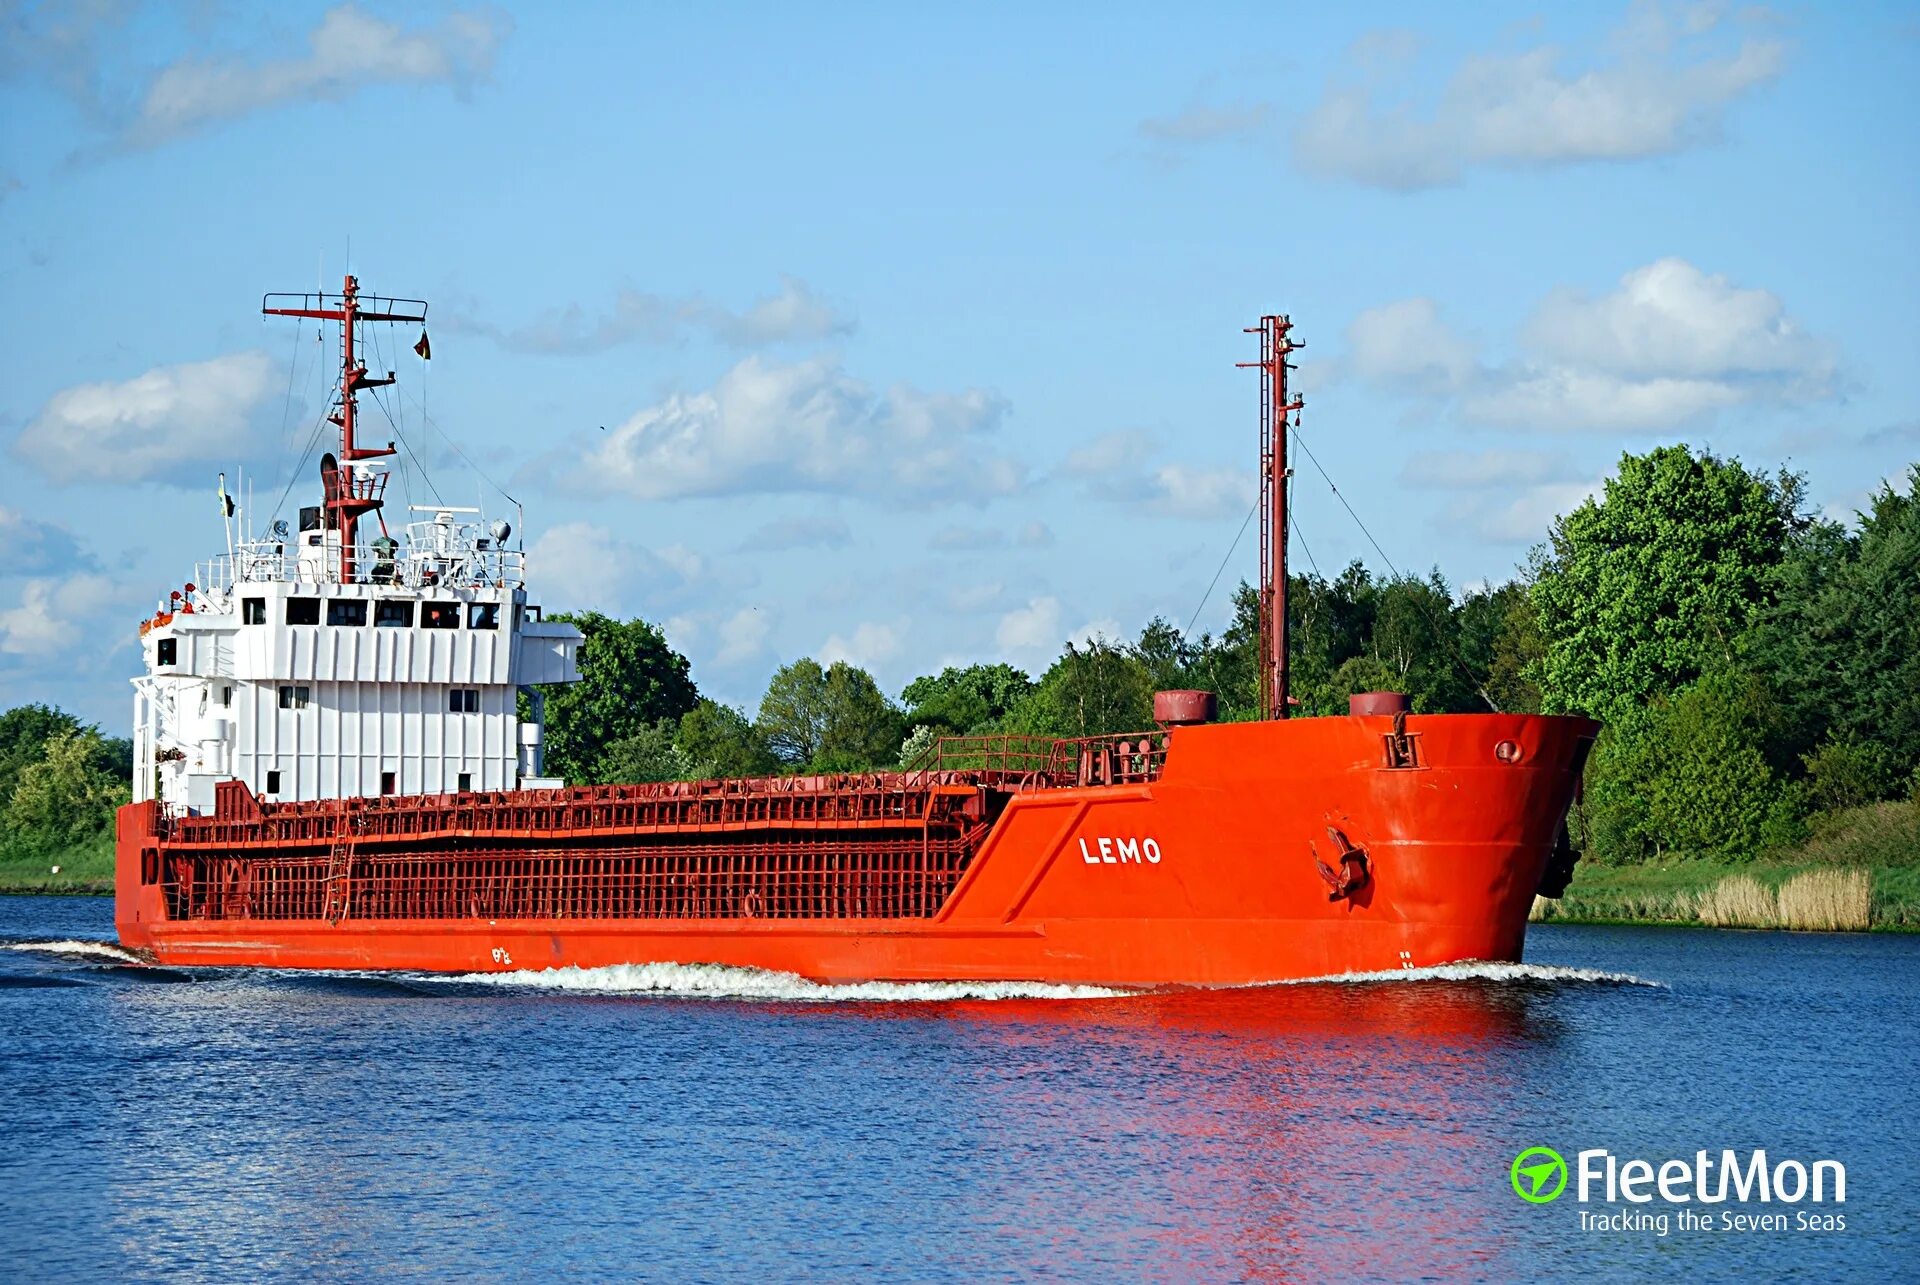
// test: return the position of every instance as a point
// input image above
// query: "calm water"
(242, 1125)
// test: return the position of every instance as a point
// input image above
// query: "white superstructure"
(310, 665)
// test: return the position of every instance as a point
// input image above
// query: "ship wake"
(722, 981)
(87, 949)
(1481, 971)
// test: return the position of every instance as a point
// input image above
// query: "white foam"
(1480, 971)
(721, 981)
(96, 949)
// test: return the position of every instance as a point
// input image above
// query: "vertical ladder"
(340, 867)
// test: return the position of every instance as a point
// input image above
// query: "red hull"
(1241, 818)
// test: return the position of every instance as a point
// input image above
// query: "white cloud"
(1032, 635)
(1670, 319)
(1033, 629)
(1115, 467)
(798, 532)
(1557, 397)
(1520, 515)
(584, 566)
(162, 425)
(1203, 124)
(966, 539)
(767, 427)
(1503, 496)
(1115, 452)
(1103, 629)
(1178, 491)
(349, 50)
(1406, 344)
(872, 644)
(1668, 345)
(1663, 90)
(743, 635)
(795, 313)
(53, 616)
(972, 599)
(1467, 470)
(31, 547)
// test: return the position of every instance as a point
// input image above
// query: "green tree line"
(1755, 665)
(60, 781)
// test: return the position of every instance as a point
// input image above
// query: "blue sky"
(906, 334)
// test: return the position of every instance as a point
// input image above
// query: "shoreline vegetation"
(1755, 666)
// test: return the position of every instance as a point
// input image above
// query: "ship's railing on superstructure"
(424, 567)
(1119, 759)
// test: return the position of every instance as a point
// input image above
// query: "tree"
(630, 679)
(648, 755)
(793, 713)
(834, 719)
(1515, 649)
(1841, 640)
(719, 741)
(1089, 691)
(862, 729)
(1166, 655)
(1644, 590)
(24, 734)
(1847, 774)
(66, 796)
(1227, 666)
(1415, 638)
(972, 700)
(1694, 773)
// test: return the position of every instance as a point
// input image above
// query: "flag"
(424, 348)
(226, 501)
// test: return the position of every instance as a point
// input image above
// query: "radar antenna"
(350, 493)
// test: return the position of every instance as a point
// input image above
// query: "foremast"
(1275, 405)
(352, 491)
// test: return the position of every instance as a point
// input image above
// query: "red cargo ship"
(330, 774)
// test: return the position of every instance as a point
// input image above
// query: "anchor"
(1353, 871)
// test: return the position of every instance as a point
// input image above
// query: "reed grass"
(1827, 901)
(1819, 900)
(1738, 902)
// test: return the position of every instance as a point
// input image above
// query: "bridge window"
(393, 615)
(273, 783)
(483, 615)
(253, 611)
(439, 615)
(294, 697)
(303, 611)
(463, 700)
(167, 652)
(347, 611)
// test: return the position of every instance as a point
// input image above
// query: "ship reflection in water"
(1311, 1132)
(251, 1125)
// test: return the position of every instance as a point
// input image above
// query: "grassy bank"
(1860, 870)
(85, 870)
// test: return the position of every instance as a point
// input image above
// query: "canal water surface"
(697, 1123)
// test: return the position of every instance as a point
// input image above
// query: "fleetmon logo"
(1539, 1174)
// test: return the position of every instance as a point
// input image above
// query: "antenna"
(1275, 406)
(350, 493)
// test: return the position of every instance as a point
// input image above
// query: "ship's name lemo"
(1119, 851)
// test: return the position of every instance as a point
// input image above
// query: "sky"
(906, 334)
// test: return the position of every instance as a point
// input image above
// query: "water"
(716, 1124)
